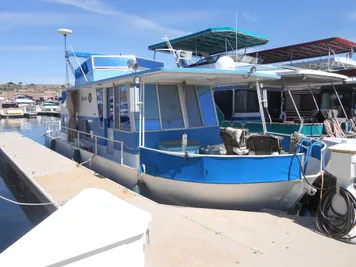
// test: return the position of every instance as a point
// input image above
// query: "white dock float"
(94, 228)
(189, 236)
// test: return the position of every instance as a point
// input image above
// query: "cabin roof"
(305, 50)
(82, 54)
(213, 41)
(190, 75)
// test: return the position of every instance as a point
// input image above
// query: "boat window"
(110, 107)
(207, 105)
(207, 60)
(64, 123)
(223, 100)
(329, 101)
(192, 106)
(304, 102)
(124, 109)
(85, 126)
(246, 101)
(9, 105)
(151, 110)
(171, 112)
(117, 106)
(99, 97)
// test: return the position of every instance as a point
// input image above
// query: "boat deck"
(181, 236)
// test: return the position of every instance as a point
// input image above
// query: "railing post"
(122, 153)
(78, 137)
(96, 145)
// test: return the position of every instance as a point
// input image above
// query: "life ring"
(283, 116)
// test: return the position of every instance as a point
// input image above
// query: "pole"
(143, 111)
(66, 58)
(261, 107)
(295, 106)
(316, 104)
(341, 105)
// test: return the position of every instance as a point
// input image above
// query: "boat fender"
(138, 187)
(53, 145)
(76, 155)
(186, 157)
(283, 116)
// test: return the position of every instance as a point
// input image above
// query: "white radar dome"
(225, 63)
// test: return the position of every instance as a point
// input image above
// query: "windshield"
(9, 105)
(49, 104)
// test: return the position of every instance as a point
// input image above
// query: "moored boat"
(50, 108)
(9, 109)
(156, 128)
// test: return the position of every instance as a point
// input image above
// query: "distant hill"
(10, 89)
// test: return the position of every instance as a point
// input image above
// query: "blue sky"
(32, 52)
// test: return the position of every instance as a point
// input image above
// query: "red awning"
(306, 50)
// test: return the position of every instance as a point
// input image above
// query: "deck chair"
(234, 141)
(262, 144)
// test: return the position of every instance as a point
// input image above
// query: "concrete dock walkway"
(181, 236)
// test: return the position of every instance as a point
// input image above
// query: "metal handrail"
(238, 122)
(224, 122)
(59, 127)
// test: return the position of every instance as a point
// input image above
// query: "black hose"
(333, 224)
(305, 179)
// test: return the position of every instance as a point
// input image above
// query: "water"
(15, 220)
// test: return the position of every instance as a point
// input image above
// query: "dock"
(182, 236)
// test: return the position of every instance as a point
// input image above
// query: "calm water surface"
(15, 220)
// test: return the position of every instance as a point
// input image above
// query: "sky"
(31, 51)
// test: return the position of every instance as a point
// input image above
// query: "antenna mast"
(236, 36)
(65, 32)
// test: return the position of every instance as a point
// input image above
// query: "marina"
(179, 144)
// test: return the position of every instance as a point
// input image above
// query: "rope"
(86, 160)
(337, 128)
(39, 137)
(333, 128)
(328, 128)
(29, 204)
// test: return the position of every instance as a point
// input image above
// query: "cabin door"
(110, 119)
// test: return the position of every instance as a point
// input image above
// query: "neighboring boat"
(156, 129)
(50, 108)
(10, 109)
(23, 100)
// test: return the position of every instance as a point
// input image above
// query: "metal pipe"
(80, 66)
(338, 97)
(143, 112)
(96, 145)
(140, 119)
(295, 106)
(316, 104)
(78, 138)
(122, 153)
(261, 107)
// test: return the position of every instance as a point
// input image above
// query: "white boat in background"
(9, 109)
(50, 108)
(23, 100)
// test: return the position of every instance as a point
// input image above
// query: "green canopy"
(213, 41)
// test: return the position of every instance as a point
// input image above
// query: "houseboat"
(156, 129)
